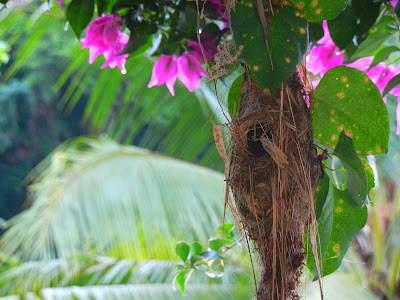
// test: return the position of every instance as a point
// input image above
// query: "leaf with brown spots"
(319, 10)
(287, 40)
(340, 221)
(346, 100)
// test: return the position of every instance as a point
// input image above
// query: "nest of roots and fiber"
(273, 172)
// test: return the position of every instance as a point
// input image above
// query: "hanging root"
(272, 171)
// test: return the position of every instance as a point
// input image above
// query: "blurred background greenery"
(98, 217)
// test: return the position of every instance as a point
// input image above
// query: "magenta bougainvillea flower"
(207, 45)
(104, 36)
(325, 56)
(190, 70)
(187, 68)
(165, 70)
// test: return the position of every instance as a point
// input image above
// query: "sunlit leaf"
(346, 100)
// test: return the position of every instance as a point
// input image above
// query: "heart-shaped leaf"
(183, 250)
(196, 248)
(346, 100)
(287, 42)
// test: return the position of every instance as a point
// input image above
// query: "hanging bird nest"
(273, 173)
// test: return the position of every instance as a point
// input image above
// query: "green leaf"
(358, 17)
(79, 13)
(325, 221)
(288, 42)
(367, 12)
(316, 31)
(346, 100)
(356, 178)
(234, 96)
(180, 280)
(183, 250)
(316, 11)
(371, 43)
(321, 195)
(105, 6)
(370, 174)
(338, 224)
(383, 54)
(215, 243)
(211, 254)
(226, 230)
(343, 28)
(394, 82)
(348, 219)
(196, 248)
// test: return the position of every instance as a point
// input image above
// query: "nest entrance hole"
(254, 135)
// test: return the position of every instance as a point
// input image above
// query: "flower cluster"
(187, 68)
(104, 37)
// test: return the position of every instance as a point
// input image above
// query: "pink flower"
(165, 70)
(112, 59)
(207, 45)
(325, 56)
(190, 70)
(104, 36)
(394, 2)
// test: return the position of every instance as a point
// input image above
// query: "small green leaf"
(211, 254)
(346, 100)
(356, 178)
(319, 10)
(180, 280)
(394, 82)
(383, 54)
(370, 174)
(183, 250)
(234, 96)
(79, 13)
(226, 230)
(215, 244)
(196, 248)
(372, 43)
(288, 42)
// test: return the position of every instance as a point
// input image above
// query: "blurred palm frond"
(96, 194)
